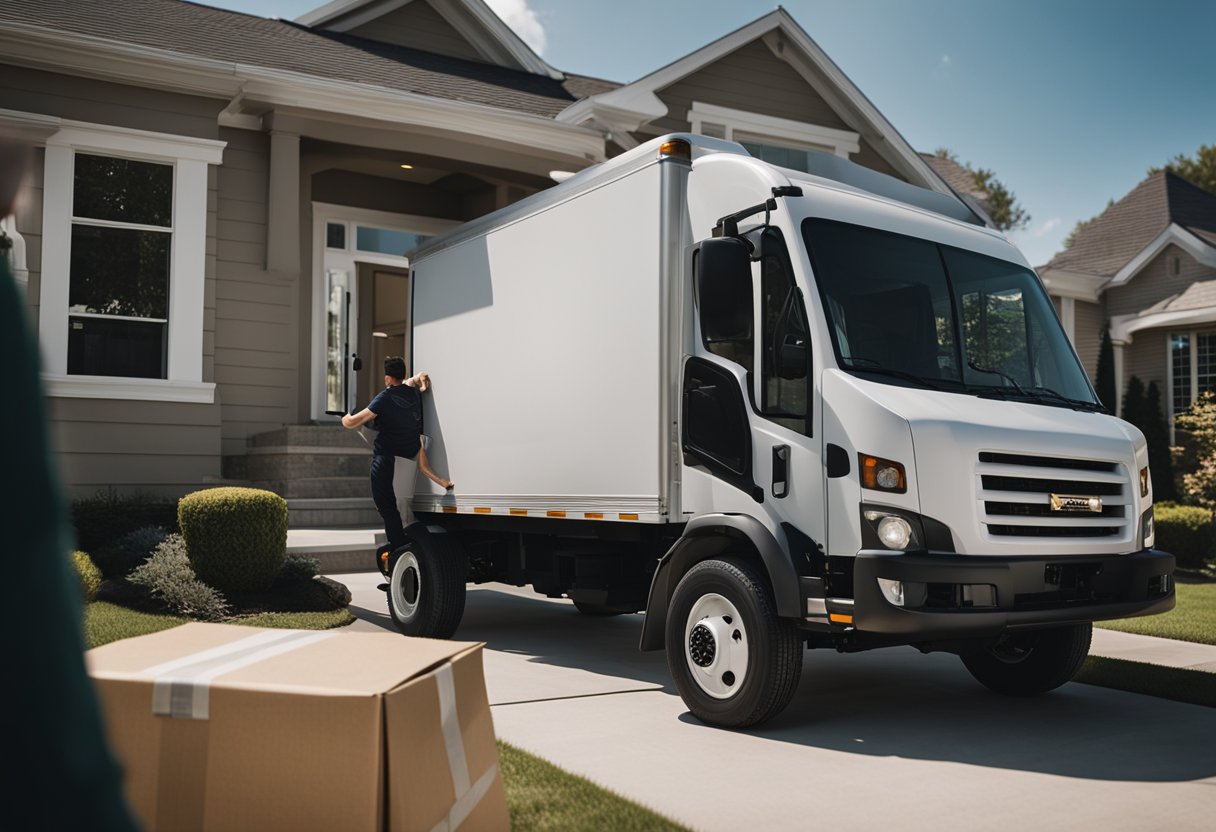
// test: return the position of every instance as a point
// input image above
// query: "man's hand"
(420, 380)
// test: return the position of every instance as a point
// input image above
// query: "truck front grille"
(1015, 490)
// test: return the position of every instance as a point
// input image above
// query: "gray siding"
(1088, 320)
(102, 102)
(418, 25)
(1154, 283)
(1146, 358)
(256, 357)
(29, 225)
(752, 79)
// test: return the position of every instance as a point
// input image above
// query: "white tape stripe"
(467, 802)
(452, 737)
(215, 652)
(186, 693)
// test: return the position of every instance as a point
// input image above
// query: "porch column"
(283, 204)
(1118, 351)
(1068, 317)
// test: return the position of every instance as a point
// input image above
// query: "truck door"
(785, 451)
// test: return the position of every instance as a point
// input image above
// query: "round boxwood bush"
(88, 573)
(235, 537)
(1186, 532)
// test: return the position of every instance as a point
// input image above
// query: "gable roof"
(174, 26)
(631, 105)
(1162, 208)
(473, 19)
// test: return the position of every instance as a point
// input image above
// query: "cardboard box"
(221, 727)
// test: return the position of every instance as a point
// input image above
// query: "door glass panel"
(385, 241)
(337, 283)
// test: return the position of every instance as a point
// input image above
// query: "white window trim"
(189, 157)
(347, 258)
(782, 130)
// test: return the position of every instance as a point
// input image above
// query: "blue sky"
(1069, 102)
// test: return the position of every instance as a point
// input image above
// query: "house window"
(1175, 266)
(780, 141)
(118, 295)
(123, 262)
(1192, 368)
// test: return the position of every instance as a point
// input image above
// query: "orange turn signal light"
(882, 474)
(677, 149)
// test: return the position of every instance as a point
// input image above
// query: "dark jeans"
(386, 498)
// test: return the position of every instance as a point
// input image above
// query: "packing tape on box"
(181, 688)
(467, 796)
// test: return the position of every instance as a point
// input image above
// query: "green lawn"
(105, 622)
(1193, 619)
(1194, 686)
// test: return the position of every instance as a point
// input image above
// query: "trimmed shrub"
(88, 573)
(1186, 532)
(118, 559)
(297, 569)
(235, 537)
(105, 517)
(169, 580)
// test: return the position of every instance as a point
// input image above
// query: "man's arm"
(357, 420)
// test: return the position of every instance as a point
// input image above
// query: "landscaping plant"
(169, 579)
(235, 537)
(88, 573)
(1186, 532)
(118, 558)
(105, 517)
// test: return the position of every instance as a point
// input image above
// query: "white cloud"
(944, 63)
(523, 20)
(1046, 227)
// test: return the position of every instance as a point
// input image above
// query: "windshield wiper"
(1005, 376)
(1076, 404)
(869, 365)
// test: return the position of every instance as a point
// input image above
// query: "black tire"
(426, 589)
(596, 610)
(774, 648)
(1030, 663)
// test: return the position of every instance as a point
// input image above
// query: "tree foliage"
(1199, 423)
(1160, 466)
(1199, 170)
(1105, 382)
(1003, 208)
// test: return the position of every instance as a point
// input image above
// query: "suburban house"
(1145, 267)
(216, 222)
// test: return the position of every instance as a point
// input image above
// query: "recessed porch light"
(407, 167)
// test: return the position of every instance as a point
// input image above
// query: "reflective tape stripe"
(182, 688)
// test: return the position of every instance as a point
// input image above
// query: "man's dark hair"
(394, 366)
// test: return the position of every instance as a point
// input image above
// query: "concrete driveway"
(890, 739)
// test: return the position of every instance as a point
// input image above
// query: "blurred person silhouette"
(61, 774)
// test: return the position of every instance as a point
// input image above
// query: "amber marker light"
(882, 474)
(1144, 482)
(676, 149)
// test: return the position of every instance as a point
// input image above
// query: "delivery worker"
(396, 414)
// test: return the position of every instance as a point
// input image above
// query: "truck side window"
(785, 349)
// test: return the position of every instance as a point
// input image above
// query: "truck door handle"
(781, 470)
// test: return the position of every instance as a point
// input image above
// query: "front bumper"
(947, 595)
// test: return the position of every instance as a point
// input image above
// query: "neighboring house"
(963, 182)
(1146, 266)
(218, 212)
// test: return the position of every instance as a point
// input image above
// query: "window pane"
(384, 241)
(335, 235)
(100, 347)
(785, 157)
(1180, 370)
(123, 190)
(786, 348)
(119, 271)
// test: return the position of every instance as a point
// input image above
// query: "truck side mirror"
(723, 268)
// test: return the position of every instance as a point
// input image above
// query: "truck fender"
(708, 536)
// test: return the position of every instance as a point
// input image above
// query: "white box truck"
(773, 410)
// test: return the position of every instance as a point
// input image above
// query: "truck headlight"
(890, 530)
(882, 474)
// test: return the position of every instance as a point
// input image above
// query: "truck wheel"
(734, 661)
(426, 589)
(1030, 663)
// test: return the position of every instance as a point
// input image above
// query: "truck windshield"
(909, 311)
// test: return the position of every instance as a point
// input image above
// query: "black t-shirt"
(399, 421)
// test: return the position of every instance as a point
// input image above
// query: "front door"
(384, 295)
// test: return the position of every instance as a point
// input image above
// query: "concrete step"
(317, 487)
(337, 550)
(326, 436)
(288, 462)
(332, 513)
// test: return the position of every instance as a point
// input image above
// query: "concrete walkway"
(886, 739)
